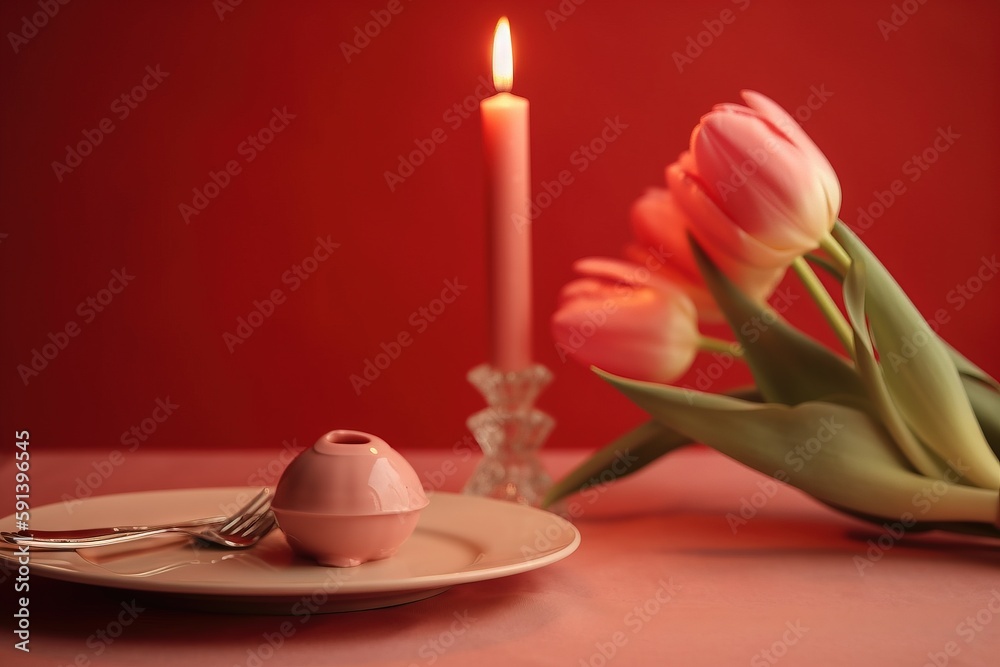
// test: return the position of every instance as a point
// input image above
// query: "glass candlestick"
(510, 432)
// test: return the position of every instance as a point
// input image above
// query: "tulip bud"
(757, 189)
(623, 317)
(661, 228)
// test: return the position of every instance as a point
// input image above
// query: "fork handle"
(99, 533)
(64, 544)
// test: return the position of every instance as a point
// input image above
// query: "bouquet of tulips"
(897, 426)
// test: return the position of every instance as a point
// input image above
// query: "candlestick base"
(510, 432)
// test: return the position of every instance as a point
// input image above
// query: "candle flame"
(503, 57)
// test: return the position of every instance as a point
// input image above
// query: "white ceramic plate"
(459, 539)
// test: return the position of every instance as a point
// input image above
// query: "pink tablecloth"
(663, 576)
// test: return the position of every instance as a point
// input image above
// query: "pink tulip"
(757, 189)
(661, 230)
(622, 318)
(660, 226)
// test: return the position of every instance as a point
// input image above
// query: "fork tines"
(246, 516)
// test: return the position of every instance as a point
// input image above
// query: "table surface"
(664, 575)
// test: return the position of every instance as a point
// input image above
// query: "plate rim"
(76, 569)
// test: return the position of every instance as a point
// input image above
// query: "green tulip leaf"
(969, 369)
(627, 454)
(986, 404)
(788, 366)
(977, 529)
(834, 453)
(918, 370)
(923, 460)
(826, 265)
(966, 528)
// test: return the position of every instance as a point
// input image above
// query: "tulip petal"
(854, 464)
(718, 234)
(708, 310)
(783, 122)
(661, 227)
(627, 273)
(758, 179)
(622, 316)
(619, 271)
(583, 288)
(660, 224)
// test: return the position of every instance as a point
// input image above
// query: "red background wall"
(161, 337)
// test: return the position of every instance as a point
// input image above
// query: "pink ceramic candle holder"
(349, 499)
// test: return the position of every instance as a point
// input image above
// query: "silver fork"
(244, 528)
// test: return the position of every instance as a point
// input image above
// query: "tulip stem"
(826, 304)
(838, 256)
(710, 344)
